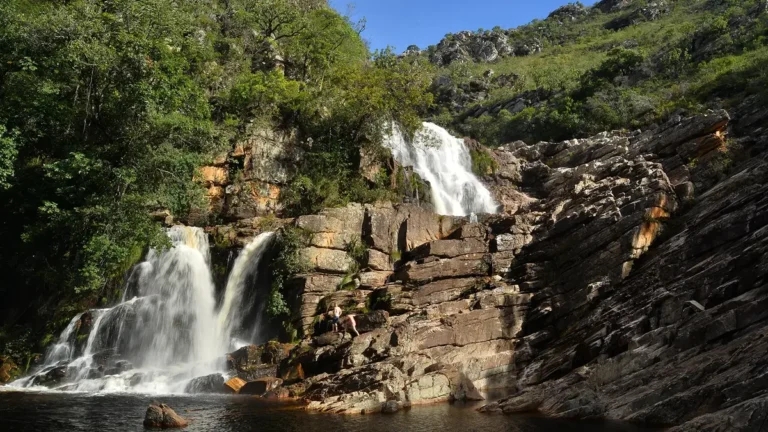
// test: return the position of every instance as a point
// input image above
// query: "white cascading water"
(161, 336)
(445, 162)
(233, 309)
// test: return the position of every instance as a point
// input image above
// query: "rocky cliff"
(624, 279)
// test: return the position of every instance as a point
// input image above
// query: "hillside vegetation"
(620, 64)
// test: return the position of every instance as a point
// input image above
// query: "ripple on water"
(30, 411)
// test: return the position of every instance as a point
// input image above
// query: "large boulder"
(213, 383)
(162, 416)
(372, 321)
(261, 386)
(256, 361)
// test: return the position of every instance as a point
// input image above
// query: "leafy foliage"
(108, 109)
(287, 263)
(591, 77)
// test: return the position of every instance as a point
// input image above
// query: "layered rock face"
(616, 328)
(246, 182)
(624, 280)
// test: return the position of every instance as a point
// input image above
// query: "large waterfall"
(445, 162)
(165, 332)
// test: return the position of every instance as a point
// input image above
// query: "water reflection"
(73, 412)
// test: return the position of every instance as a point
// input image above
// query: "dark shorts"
(335, 320)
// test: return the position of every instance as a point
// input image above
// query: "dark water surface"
(97, 413)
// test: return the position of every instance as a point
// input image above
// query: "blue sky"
(400, 23)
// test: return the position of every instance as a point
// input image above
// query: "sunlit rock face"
(620, 259)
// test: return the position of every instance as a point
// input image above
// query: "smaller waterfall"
(161, 335)
(166, 331)
(62, 349)
(445, 162)
(235, 307)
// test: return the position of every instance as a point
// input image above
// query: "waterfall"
(166, 330)
(445, 162)
(62, 349)
(234, 308)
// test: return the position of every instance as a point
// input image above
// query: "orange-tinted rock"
(212, 175)
(234, 384)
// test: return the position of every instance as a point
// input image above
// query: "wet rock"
(254, 361)
(52, 376)
(162, 416)
(119, 367)
(213, 383)
(96, 373)
(278, 393)
(136, 379)
(260, 386)
(391, 406)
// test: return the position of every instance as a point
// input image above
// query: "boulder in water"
(261, 386)
(120, 367)
(95, 373)
(51, 376)
(136, 379)
(256, 361)
(163, 416)
(213, 383)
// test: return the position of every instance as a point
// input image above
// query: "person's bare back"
(349, 323)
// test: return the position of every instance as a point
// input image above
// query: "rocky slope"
(488, 46)
(623, 279)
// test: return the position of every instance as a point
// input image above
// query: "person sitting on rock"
(348, 323)
(335, 315)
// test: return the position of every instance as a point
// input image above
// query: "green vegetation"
(356, 250)
(108, 108)
(482, 163)
(591, 77)
(287, 263)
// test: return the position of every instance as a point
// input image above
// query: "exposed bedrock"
(624, 279)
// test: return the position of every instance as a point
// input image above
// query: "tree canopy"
(108, 108)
